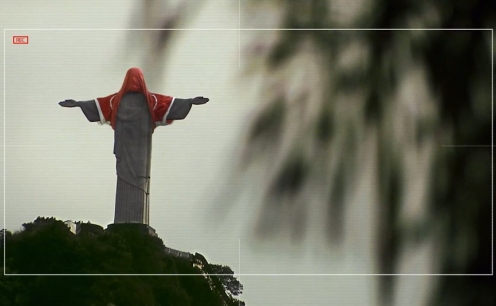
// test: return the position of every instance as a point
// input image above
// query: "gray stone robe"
(132, 149)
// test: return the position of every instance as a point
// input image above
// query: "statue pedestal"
(145, 229)
(131, 203)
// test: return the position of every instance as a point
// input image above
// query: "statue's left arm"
(168, 108)
(180, 107)
(97, 110)
(89, 108)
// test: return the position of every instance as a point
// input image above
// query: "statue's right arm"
(89, 108)
(181, 107)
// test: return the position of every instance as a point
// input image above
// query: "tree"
(333, 102)
(351, 105)
(229, 282)
(46, 246)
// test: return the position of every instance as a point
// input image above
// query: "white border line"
(262, 29)
(254, 29)
(252, 274)
(4, 163)
(239, 33)
(492, 152)
(239, 268)
(468, 146)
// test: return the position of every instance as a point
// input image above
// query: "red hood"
(133, 82)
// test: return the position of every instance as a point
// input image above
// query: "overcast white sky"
(58, 164)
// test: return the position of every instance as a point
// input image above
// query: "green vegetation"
(47, 246)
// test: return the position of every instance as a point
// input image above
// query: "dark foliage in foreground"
(46, 246)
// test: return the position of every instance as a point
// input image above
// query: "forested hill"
(47, 246)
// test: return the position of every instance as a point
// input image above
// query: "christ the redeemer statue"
(134, 113)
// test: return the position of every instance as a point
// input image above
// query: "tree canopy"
(47, 246)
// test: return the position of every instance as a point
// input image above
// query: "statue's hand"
(68, 103)
(199, 100)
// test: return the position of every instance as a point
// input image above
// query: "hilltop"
(48, 246)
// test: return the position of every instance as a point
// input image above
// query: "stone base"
(88, 229)
(143, 228)
(131, 203)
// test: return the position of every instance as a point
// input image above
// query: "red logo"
(20, 40)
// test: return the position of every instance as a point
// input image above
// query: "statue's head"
(134, 81)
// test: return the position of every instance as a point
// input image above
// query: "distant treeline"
(47, 246)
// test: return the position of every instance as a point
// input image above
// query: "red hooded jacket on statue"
(135, 82)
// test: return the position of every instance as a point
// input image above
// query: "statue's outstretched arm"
(69, 103)
(89, 108)
(199, 100)
(181, 107)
